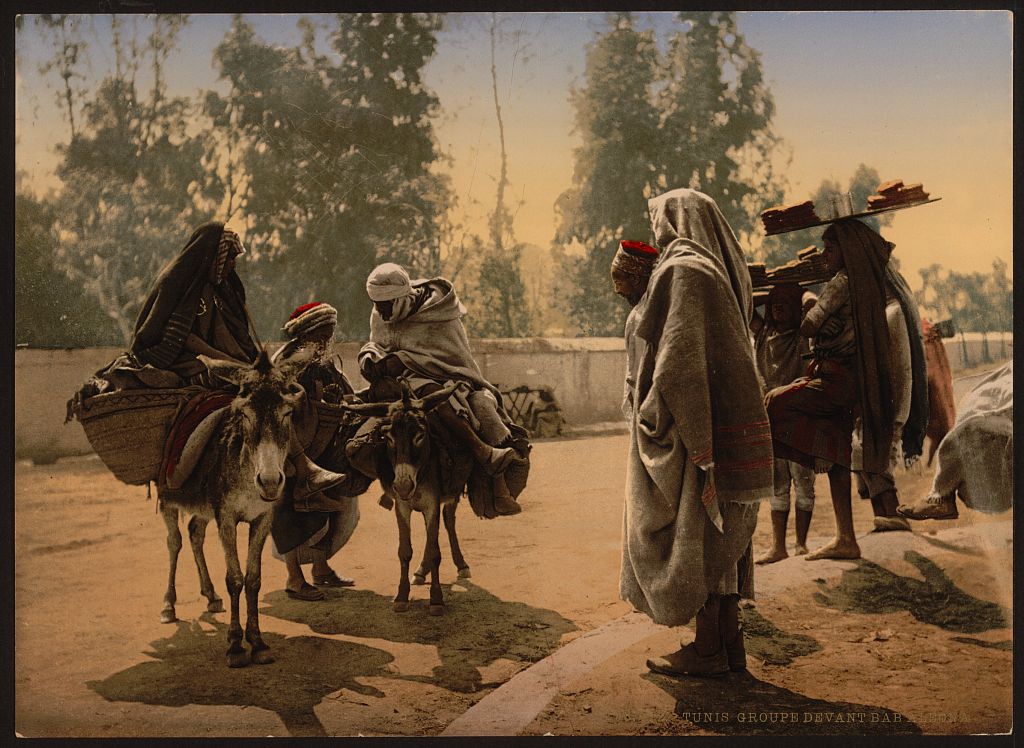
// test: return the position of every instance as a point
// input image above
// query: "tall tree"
(501, 308)
(49, 308)
(716, 120)
(337, 156)
(131, 176)
(613, 172)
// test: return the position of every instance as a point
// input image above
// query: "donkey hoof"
(464, 573)
(216, 605)
(238, 659)
(401, 606)
(436, 610)
(167, 616)
(262, 656)
(419, 579)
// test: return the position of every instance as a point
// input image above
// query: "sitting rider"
(195, 308)
(314, 537)
(416, 332)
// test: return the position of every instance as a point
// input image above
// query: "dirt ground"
(894, 640)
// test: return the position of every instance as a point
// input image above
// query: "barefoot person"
(781, 351)
(700, 455)
(311, 538)
(812, 418)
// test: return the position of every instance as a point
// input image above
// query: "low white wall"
(585, 375)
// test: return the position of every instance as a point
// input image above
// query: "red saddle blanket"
(193, 413)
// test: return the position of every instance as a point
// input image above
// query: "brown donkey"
(414, 479)
(238, 479)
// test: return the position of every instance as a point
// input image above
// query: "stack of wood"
(758, 274)
(789, 217)
(808, 268)
(893, 193)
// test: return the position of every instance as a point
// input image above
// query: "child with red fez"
(312, 537)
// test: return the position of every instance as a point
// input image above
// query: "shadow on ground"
(740, 704)
(764, 640)
(870, 588)
(189, 667)
(476, 629)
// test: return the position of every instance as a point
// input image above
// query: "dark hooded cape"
(169, 312)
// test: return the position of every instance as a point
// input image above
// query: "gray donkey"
(412, 475)
(238, 479)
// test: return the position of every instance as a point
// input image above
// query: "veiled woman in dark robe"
(197, 306)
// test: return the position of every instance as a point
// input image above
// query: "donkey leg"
(234, 581)
(420, 575)
(402, 512)
(196, 536)
(170, 515)
(258, 531)
(432, 555)
(448, 514)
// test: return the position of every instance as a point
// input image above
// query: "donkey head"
(267, 396)
(406, 436)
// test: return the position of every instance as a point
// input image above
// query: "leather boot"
(504, 504)
(310, 480)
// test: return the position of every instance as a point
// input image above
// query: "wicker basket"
(127, 428)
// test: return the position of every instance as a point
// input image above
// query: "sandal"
(333, 580)
(307, 593)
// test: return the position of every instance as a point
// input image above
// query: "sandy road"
(92, 658)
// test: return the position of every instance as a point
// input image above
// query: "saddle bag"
(128, 429)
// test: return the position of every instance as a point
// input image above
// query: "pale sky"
(925, 96)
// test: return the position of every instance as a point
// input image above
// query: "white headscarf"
(388, 282)
(684, 214)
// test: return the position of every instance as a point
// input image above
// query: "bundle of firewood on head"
(893, 193)
(789, 217)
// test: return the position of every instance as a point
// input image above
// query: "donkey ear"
(227, 370)
(263, 364)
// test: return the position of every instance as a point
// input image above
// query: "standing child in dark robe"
(781, 351)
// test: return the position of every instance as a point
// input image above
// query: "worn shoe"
(931, 506)
(333, 580)
(500, 460)
(686, 661)
(315, 481)
(307, 593)
(891, 524)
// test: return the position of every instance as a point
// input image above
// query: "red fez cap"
(304, 308)
(639, 249)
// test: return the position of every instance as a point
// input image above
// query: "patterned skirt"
(812, 417)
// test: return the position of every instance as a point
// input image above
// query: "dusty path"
(92, 659)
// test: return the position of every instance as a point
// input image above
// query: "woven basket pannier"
(127, 428)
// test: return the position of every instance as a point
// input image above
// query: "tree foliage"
(49, 308)
(132, 182)
(698, 117)
(336, 150)
(614, 169)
